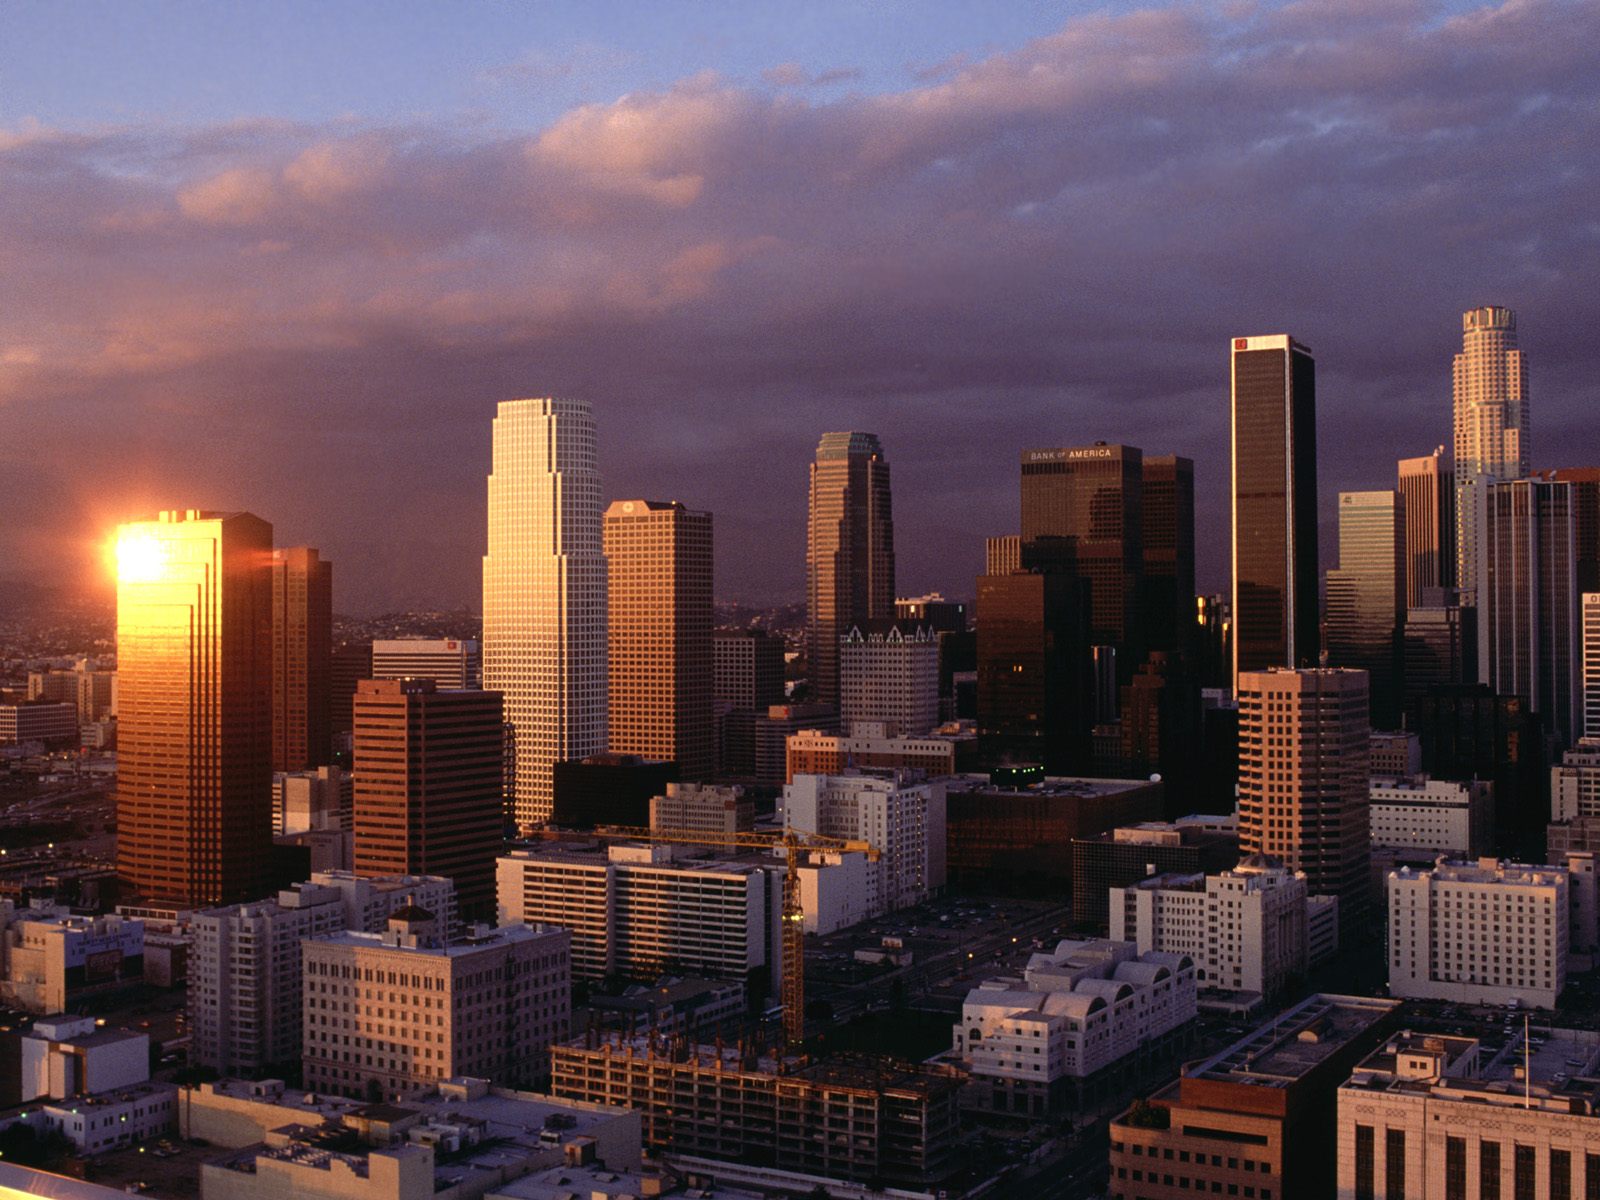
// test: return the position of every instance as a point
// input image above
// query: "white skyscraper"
(1491, 429)
(544, 592)
(1589, 619)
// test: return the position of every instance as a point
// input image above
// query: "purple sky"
(311, 315)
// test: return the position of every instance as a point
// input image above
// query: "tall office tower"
(1082, 511)
(849, 550)
(1528, 639)
(658, 562)
(1035, 692)
(1002, 555)
(1590, 620)
(1213, 633)
(889, 673)
(943, 616)
(1366, 596)
(747, 679)
(194, 663)
(1168, 539)
(1439, 647)
(1161, 728)
(544, 593)
(1429, 487)
(1275, 609)
(1585, 483)
(302, 659)
(1303, 780)
(352, 662)
(1490, 379)
(451, 663)
(428, 786)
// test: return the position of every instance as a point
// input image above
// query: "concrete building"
(896, 1122)
(385, 1013)
(71, 1056)
(1426, 1115)
(849, 550)
(93, 691)
(245, 985)
(658, 560)
(1479, 933)
(312, 800)
(1427, 486)
(1274, 453)
(452, 663)
(1244, 929)
(897, 813)
(1583, 891)
(1195, 844)
(109, 1121)
(1366, 599)
(889, 673)
(1575, 783)
(639, 911)
(1432, 817)
(55, 959)
(1044, 1043)
(54, 724)
(772, 729)
(544, 592)
(1303, 771)
(1255, 1120)
(429, 785)
(703, 807)
(747, 679)
(868, 746)
(1393, 754)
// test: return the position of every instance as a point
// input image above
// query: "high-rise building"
(1275, 609)
(747, 680)
(1168, 538)
(1161, 727)
(544, 592)
(194, 662)
(889, 673)
(1528, 638)
(1428, 486)
(428, 785)
(1193, 845)
(1002, 555)
(896, 812)
(1035, 701)
(1589, 619)
(1575, 782)
(1490, 381)
(452, 663)
(352, 662)
(302, 658)
(945, 616)
(1366, 596)
(658, 562)
(93, 691)
(1303, 772)
(849, 550)
(1585, 483)
(1439, 647)
(1468, 732)
(1083, 512)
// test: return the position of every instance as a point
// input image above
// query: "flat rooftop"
(597, 856)
(458, 948)
(1051, 785)
(1295, 1042)
(1563, 1068)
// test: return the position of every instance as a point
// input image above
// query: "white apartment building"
(704, 808)
(1575, 782)
(452, 663)
(897, 813)
(245, 996)
(641, 911)
(1487, 932)
(1432, 816)
(1032, 1044)
(115, 1120)
(890, 674)
(388, 1013)
(1245, 929)
(1427, 1116)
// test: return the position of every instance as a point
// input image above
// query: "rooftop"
(470, 944)
(1562, 1068)
(1295, 1042)
(1487, 870)
(1051, 785)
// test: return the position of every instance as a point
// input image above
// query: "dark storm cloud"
(1046, 246)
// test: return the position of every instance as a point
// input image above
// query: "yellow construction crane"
(794, 843)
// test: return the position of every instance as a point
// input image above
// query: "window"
(1560, 1175)
(1394, 1162)
(1524, 1166)
(1455, 1168)
(1488, 1171)
(1365, 1182)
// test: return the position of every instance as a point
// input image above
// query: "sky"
(287, 257)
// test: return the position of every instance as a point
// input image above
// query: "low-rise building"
(1418, 815)
(704, 808)
(1575, 782)
(50, 723)
(1255, 1120)
(868, 745)
(1487, 932)
(1245, 929)
(1045, 1042)
(54, 958)
(71, 1056)
(388, 1013)
(1196, 844)
(1425, 1116)
(112, 1120)
(696, 1008)
(1394, 754)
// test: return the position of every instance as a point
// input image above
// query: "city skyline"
(410, 284)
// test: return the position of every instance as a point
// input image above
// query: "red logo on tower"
(1241, 343)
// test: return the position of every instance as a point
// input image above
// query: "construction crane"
(794, 843)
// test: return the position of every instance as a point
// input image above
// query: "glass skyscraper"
(1366, 596)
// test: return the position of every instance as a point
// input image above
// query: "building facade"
(1366, 596)
(302, 658)
(452, 663)
(1168, 544)
(53, 724)
(1428, 488)
(703, 807)
(889, 673)
(1421, 816)
(544, 593)
(812, 752)
(1490, 389)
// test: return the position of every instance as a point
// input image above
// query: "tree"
(1144, 1115)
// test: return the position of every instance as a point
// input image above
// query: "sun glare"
(140, 558)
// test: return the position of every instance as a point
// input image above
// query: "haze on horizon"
(288, 258)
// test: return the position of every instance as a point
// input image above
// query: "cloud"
(793, 75)
(1044, 246)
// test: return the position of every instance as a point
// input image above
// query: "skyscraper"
(428, 785)
(302, 659)
(1428, 485)
(544, 592)
(194, 662)
(1590, 620)
(658, 559)
(1528, 637)
(449, 662)
(849, 550)
(1303, 751)
(1366, 596)
(1274, 439)
(1491, 431)
(1585, 483)
(1168, 540)
(1082, 511)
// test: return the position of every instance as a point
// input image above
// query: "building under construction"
(849, 1117)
